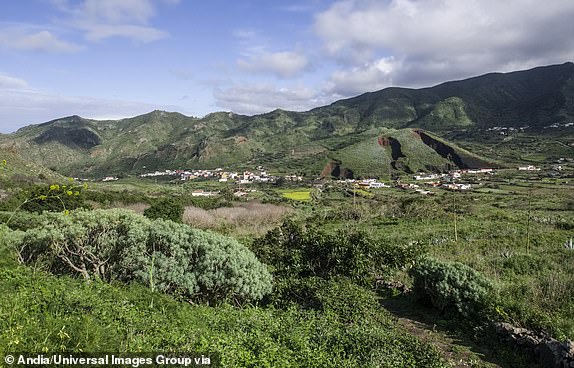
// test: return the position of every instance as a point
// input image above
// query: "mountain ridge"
(345, 132)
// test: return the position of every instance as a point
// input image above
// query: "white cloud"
(260, 98)
(32, 38)
(282, 64)
(8, 82)
(116, 12)
(98, 32)
(256, 57)
(368, 77)
(103, 19)
(438, 40)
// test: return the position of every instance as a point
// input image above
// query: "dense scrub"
(119, 245)
(452, 286)
(167, 209)
(297, 251)
(42, 312)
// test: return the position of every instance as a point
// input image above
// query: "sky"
(110, 59)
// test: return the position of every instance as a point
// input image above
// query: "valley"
(423, 227)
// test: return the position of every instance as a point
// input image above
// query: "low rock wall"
(550, 353)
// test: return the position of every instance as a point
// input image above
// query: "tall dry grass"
(252, 218)
(138, 208)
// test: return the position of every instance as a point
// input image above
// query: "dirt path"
(456, 348)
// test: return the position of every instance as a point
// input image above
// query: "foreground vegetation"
(60, 314)
(104, 280)
(307, 292)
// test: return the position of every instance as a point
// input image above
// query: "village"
(423, 183)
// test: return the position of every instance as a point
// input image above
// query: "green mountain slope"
(377, 133)
(16, 170)
(535, 97)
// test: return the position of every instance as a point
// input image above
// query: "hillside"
(15, 169)
(537, 97)
(380, 133)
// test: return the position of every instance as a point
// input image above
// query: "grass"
(512, 233)
(297, 195)
(363, 193)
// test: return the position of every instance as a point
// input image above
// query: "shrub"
(7, 239)
(207, 203)
(525, 264)
(167, 209)
(451, 285)
(53, 198)
(89, 243)
(200, 265)
(295, 251)
(120, 245)
(20, 220)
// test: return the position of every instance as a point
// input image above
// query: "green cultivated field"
(296, 195)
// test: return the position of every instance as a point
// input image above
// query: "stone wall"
(550, 353)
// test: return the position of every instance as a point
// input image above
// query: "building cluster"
(367, 183)
(454, 174)
(506, 130)
(528, 168)
(246, 177)
(259, 175)
(448, 180)
(559, 125)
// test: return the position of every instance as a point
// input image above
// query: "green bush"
(7, 239)
(120, 245)
(20, 220)
(167, 209)
(451, 286)
(40, 198)
(340, 296)
(201, 265)
(296, 251)
(207, 203)
(525, 264)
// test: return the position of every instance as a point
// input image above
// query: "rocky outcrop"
(550, 353)
(334, 169)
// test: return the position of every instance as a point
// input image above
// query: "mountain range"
(487, 121)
